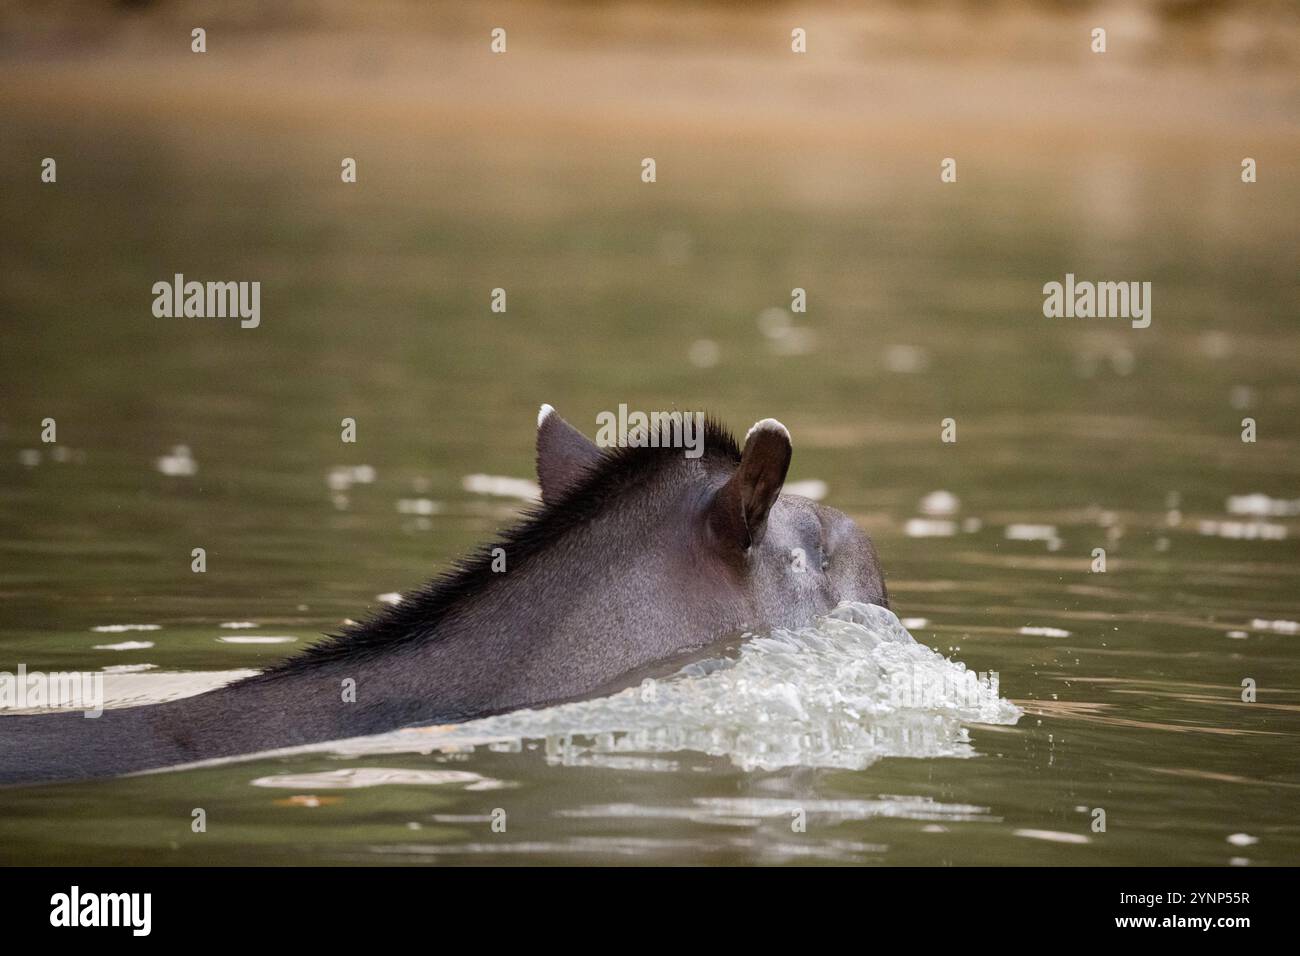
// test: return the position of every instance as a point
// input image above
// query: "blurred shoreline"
(1021, 76)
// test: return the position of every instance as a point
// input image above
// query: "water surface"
(923, 305)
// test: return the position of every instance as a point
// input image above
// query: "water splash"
(843, 692)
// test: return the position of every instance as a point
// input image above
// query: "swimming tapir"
(636, 556)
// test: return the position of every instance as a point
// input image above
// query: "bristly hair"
(418, 614)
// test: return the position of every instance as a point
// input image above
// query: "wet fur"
(417, 616)
(637, 557)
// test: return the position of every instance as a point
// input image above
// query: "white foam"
(826, 695)
(502, 486)
(1243, 530)
(1043, 631)
(121, 628)
(1263, 506)
(930, 528)
(940, 503)
(180, 463)
(1279, 627)
(342, 477)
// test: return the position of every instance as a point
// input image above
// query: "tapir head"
(767, 557)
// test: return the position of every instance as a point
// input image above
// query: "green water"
(375, 307)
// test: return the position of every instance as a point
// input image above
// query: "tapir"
(635, 557)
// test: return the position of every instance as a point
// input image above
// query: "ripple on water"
(352, 778)
(258, 639)
(750, 811)
(759, 849)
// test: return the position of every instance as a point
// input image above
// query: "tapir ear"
(563, 454)
(738, 514)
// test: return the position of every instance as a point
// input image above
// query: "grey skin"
(637, 558)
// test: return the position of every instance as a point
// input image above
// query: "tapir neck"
(554, 631)
(614, 600)
(608, 602)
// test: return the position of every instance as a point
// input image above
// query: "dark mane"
(619, 471)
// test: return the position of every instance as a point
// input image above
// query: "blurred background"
(775, 171)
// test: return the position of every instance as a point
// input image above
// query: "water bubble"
(704, 353)
(940, 503)
(180, 463)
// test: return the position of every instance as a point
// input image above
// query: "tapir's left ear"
(564, 454)
(738, 514)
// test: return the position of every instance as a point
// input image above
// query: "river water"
(1121, 728)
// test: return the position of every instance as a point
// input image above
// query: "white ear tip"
(768, 425)
(542, 412)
